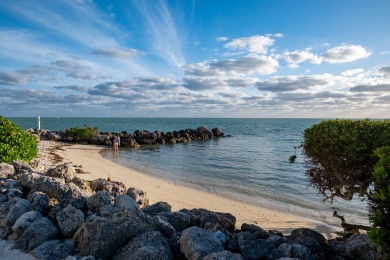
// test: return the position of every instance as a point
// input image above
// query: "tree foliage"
(379, 201)
(340, 155)
(15, 144)
(82, 133)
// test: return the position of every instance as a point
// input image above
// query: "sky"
(195, 58)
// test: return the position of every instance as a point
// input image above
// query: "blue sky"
(198, 58)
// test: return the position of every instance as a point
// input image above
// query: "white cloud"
(120, 54)
(352, 72)
(296, 57)
(295, 83)
(8, 78)
(254, 44)
(165, 36)
(345, 53)
(222, 39)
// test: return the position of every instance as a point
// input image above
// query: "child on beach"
(116, 143)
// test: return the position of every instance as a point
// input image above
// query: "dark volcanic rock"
(139, 196)
(101, 237)
(150, 245)
(39, 201)
(10, 211)
(69, 220)
(313, 240)
(296, 251)
(64, 171)
(24, 222)
(254, 248)
(203, 216)
(38, 232)
(157, 208)
(196, 243)
(54, 249)
(98, 200)
(224, 255)
(179, 220)
(113, 187)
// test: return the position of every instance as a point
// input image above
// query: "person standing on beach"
(116, 143)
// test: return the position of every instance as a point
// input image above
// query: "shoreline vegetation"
(89, 213)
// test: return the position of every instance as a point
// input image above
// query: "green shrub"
(82, 133)
(379, 201)
(349, 157)
(16, 144)
(340, 155)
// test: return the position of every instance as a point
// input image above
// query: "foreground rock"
(61, 217)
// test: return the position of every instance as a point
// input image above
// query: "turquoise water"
(251, 166)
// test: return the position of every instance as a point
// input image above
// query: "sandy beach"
(180, 197)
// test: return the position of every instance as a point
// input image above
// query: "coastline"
(179, 197)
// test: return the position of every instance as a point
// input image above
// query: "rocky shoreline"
(51, 213)
(135, 139)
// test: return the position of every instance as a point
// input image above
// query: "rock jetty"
(57, 215)
(136, 139)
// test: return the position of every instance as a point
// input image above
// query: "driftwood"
(349, 227)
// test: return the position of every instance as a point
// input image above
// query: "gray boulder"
(6, 170)
(179, 220)
(113, 187)
(108, 210)
(13, 193)
(150, 245)
(21, 165)
(54, 249)
(98, 200)
(313, 240)
(296, 251)
(157, 208)
(164, 227)
(254, 248)
(124, 202)
(54, 136)
(12, 184)
(38, 232)
(39, 201)
(101, 237)
(56, 188)
(69, 220)
(139, 196)
(203, 216)
(23, 222)
(64, 171)
(224, 255)
(196, 243)
(3, 198)
(358, 247)
(10, 211)
(258, 232)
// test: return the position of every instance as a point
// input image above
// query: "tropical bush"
(16, 144)
(379, 201)
(340, 155)
(352, 157)
(82, 133)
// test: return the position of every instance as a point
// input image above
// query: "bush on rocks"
(15, 143)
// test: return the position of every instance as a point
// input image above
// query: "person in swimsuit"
(116, 143)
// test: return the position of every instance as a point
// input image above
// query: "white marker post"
(39, 123)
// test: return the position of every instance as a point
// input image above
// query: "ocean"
(250, 166)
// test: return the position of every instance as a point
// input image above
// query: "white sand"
(180, 197)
